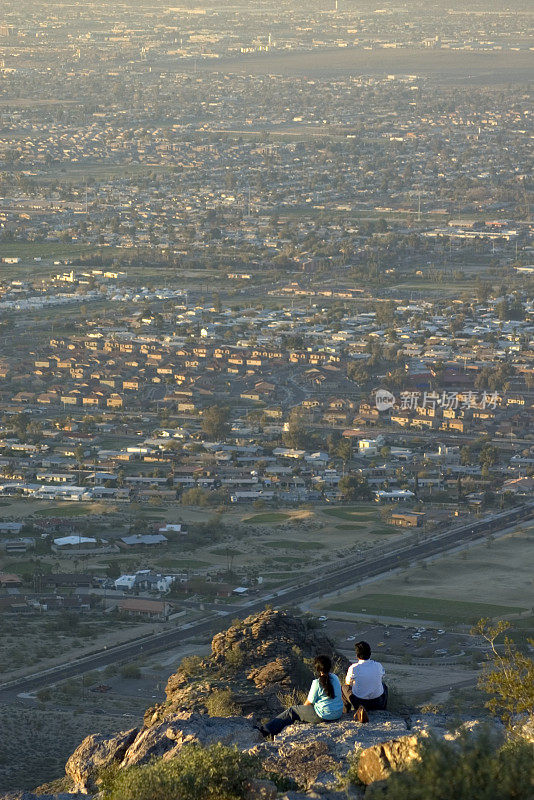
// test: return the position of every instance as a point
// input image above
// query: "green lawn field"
(70, 510)
(268, 518)
(408, 606)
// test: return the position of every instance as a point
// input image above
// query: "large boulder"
(94, 754)
(187, 727)
(378, 762)
(342, 737)
(276, 672)
(163, 740)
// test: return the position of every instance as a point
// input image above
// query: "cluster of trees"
(481, 452)
(510, 309)
(495, 379)
(197, 496)
(355, 487)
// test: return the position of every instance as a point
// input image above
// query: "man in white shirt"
(364, 684)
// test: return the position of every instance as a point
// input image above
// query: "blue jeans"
(291, 715)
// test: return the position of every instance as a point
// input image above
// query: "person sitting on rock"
(364, 688)
(324, 703)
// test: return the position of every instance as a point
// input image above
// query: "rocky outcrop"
(342, 737)
(309, 755)
(189, 727)
(163, 740)
(263, 656)
(316, 755)
(258, 659)
(94, 754)
(267, 636)
(303, 763)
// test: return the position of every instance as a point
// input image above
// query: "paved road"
(344, 576)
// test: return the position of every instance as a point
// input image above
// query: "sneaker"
(265, 733)
(361, 715)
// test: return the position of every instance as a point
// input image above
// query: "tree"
(488, 455)
(195, 497)
(344, 450)
(509, 678)
(113, 569)
(466, 455)
(297, 434)
(385, 313)
(507, 310)
(353, 487)
(215, 422)
(358, 372)
(79, 454)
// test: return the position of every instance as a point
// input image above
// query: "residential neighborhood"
(267, 354)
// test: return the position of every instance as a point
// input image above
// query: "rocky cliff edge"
(259, 659)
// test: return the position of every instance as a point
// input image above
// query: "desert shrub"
(474, 767)
(197, 773)
(282, 782)
(131, 671)
(353, 760)
(311, 623)
(221, 703)
(234, 658)
(70, 689)
(190, 666)
(295, 697)
(339, 669)
(87, 631)
(431, 708)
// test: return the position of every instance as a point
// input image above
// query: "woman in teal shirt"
(324, 703)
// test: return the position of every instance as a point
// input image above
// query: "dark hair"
(363, 650)
(323, 666)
